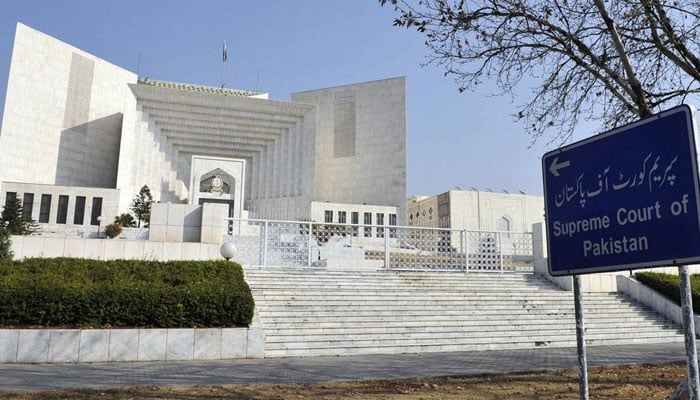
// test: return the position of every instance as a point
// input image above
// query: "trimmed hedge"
(79, 293)
(669, 286)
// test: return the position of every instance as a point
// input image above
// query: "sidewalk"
(14, 377)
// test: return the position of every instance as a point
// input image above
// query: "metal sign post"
(580, 340)
(689, 329)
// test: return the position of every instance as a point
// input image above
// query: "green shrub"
(125, 219)
(669, 285)
(5, 244)
(78, 293)
(113, 230)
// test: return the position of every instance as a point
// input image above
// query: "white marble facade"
(80, 123)
(476, 210)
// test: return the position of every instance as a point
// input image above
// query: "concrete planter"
(102, 345)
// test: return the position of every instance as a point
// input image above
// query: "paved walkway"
(16, 377)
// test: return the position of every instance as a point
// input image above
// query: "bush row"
(79, 293)
(669, 286)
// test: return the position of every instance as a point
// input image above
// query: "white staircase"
(319, 312)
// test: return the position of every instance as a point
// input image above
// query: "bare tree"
(605, 61)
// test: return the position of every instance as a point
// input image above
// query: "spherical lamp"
(228, 250)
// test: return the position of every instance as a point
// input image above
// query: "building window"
(27, 206)
(503, 224)
(392, 222)
(328, 218)
(9, 197)
(79, 214)
(354, 220)
(62, 213)
(45, 208)
(96, 210)
(368, 223)
(342, 217)
(380, 222)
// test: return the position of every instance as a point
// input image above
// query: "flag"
(224, 54)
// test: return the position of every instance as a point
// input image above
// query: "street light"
(99, 222)
(228, 250)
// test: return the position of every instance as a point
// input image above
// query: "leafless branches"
(606, 61)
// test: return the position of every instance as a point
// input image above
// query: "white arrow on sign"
(556, 166)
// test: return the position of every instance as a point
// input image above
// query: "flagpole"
(223, 66)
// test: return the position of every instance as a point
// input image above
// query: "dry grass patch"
(649, 382)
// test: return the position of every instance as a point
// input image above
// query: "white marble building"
(80, 136)
(476, 211)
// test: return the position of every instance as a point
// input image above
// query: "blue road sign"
(625, 199)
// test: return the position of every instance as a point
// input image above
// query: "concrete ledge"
(102, 345)
(652, 299)
(601, 282)
(111, 249)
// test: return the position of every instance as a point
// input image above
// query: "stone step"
(526, 299)
(516, 329)
(425, 318)
(487, 301)
(338, 306)
(441, 348)
(520, 295)
(474, 325)
(384, 279)
(320, 342)
(463, 329)
(523, 295)
(466, 303)
(399, 288)
(439, 293)
(515, 303)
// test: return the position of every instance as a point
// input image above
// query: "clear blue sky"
(280, 47)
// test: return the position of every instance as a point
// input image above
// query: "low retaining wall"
(102, 345)
(652, 299)
(111, 249)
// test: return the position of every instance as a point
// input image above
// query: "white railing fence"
(313, 244)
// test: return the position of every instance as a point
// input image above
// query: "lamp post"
(99, 222)
(228, 250)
